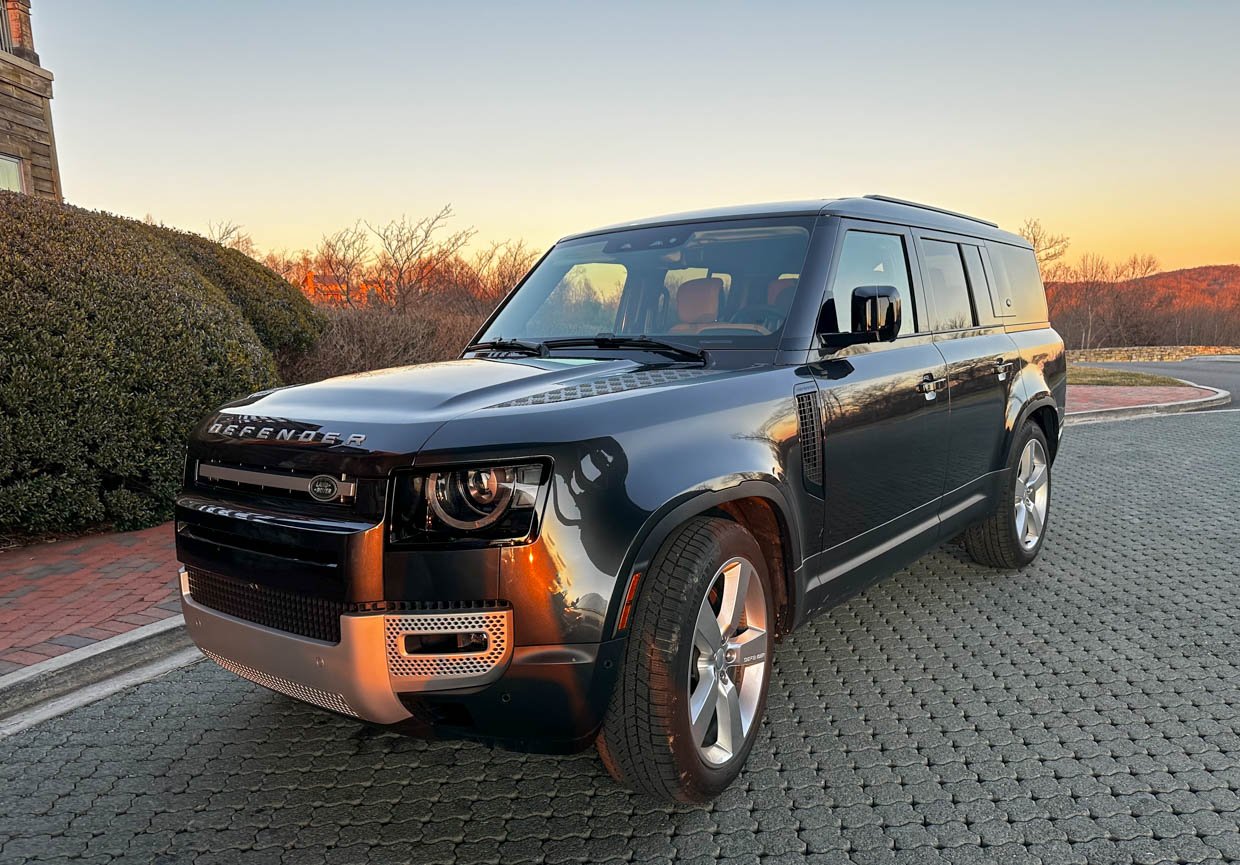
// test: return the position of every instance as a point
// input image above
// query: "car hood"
(390, 412)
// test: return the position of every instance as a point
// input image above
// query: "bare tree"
(343, 257)
(412, 251)
(1048, 248)
(501, 266)
(1136, 267)
(232, 235)
(293, 266)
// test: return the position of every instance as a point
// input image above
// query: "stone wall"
(1149, 352)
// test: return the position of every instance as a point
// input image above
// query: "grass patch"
(1097, 375)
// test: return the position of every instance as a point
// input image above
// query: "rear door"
(981, 365)
(885, 443)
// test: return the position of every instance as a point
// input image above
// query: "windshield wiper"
(518, 346)
(611, 340)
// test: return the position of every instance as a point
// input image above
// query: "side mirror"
(875, 316)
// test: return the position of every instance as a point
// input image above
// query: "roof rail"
(890, 200)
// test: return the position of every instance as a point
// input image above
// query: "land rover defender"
(671, 444)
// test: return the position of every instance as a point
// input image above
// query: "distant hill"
(1193, 306)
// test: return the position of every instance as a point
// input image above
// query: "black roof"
(873, 207)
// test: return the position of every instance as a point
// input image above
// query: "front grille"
(296, 486)
(316, 618)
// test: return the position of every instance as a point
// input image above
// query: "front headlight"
(464, 505)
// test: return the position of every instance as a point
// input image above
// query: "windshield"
(726, 283)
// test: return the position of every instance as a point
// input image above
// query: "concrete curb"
(1217, 398)
(62, 675)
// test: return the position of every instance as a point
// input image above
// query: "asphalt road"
(1086, 710)
(1212, 373)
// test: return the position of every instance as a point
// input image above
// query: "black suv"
(673, 442)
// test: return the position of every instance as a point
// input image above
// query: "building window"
(6, 40)
(10, 173)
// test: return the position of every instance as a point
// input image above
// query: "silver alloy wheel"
(1032, 494)
(727, 672)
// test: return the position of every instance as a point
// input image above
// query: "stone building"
(27, 146)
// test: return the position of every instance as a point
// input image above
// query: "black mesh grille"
(317, 618)
(809, 430)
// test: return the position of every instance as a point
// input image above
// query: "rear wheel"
(692, 689)
(1012, 536)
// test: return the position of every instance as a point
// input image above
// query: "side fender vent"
(809, 432)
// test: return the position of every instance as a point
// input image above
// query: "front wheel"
(692, 689)
(1012, 536)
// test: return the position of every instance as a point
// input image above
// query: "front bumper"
(538, 698)
(361, 675)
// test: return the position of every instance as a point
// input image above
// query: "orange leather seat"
(697, 304)
(777, 293)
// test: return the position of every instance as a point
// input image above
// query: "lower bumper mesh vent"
(296, 690)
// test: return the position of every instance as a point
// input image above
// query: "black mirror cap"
(876, 314)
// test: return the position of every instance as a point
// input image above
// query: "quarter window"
(868, 259)
(950, 306)
(1018, 286)
(10, 174)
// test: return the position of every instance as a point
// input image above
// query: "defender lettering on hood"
(277, 429)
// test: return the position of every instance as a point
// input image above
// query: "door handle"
(1003, 368)
(930, 386)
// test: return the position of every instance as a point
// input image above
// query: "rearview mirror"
(875, 316)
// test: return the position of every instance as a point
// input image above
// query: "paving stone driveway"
(1086, 710)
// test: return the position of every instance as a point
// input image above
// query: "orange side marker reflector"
(627, 609)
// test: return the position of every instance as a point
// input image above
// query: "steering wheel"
(770, 317)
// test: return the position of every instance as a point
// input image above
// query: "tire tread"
(633, 743)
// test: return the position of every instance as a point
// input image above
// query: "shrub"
(356, 340)
(111, 347)
(279, 313)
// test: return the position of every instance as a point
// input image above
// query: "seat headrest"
(697, 300)
(778, 290)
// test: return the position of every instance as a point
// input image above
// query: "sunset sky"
(1115, 123)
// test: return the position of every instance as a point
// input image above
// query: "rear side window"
(868, 258)
(1017, 284)
(979, 287)
(947, 286)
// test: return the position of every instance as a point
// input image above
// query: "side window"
(947, 287)
(980, 286)
(869, 259)
(1017, 282)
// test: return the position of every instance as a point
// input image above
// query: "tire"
(648, 740)
(1004, 539)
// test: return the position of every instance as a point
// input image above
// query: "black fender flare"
(689, 504)
(1036, 403)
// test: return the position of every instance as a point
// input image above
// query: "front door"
(885, 442)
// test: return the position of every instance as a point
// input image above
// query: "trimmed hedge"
(279, 313)
(113, 343)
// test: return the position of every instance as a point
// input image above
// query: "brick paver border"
(71, 594)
